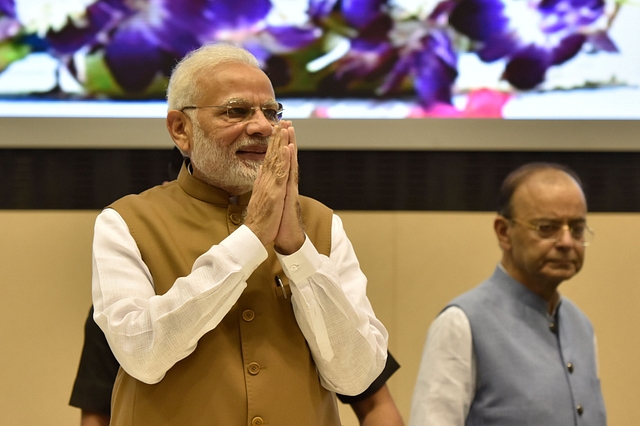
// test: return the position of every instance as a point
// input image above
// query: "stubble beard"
(219, 165)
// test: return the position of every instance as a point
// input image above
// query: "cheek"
(525, 248)
(531, 256)
(225, 136)
(536, 258)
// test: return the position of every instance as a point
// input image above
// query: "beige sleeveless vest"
(255, 367)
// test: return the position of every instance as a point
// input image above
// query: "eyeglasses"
(238, 113)
(549, 230)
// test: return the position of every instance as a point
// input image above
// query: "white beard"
(219, 164)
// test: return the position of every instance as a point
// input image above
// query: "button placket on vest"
(235, 216)
(248, 315)
(253, 368)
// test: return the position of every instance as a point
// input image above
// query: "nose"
(258, 125)
(565, 238)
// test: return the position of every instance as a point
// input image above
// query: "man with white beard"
(228, 298)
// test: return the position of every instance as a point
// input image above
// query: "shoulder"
(310, 204)
(452, 323)
(150, 196)
(485, 300)
(477, 295)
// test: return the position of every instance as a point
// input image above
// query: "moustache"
(254, 141)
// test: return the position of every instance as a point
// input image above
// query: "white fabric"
(148, 333)
(446, 382)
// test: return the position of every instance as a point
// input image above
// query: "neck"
(548, 291)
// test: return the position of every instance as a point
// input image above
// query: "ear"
(502, 228)
(179, 127)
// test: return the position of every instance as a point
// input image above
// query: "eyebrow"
(570, 220)
(243, 101)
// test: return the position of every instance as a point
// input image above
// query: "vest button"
(553, 327)
(248, 315)
(254, 368)
(579, 409)
(235, 218)
(257, 421)
(570, 367)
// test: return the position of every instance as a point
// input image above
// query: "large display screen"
(349, 59)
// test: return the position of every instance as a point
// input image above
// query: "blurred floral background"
(448, 58)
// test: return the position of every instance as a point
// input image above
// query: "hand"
(290, 235)
(265, 209)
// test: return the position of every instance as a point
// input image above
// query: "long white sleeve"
(147, 333)
(446, 381)
(348, 343)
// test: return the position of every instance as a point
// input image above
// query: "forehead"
(549, 194)
(235, 81)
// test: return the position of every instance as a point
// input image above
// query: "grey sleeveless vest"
(532, 368)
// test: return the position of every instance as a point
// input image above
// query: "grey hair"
(183, 88)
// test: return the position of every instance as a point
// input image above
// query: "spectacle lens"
(238, 113)
(579, 232)
(554, 230)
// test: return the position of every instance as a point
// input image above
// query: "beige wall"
(416, 262)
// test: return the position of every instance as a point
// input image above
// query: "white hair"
(183, 85)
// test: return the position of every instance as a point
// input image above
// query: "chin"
(252, 162)
(249, 168)
(560, 275)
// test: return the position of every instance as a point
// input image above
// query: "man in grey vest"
(513, 351)
(227, 297)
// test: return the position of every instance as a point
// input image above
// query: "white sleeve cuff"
(245, 248)
(302, 264)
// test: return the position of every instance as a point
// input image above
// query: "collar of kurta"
(205, 192)
(520, 292)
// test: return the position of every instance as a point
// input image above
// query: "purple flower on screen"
(361, 25)
(368, 53)
(236, 14)
(293, 26)
(19, 44)
(415, 51)
(9, 26)
(356, 13)
(144, 39)
(140, 40)
(431, 62)
(8, 8)
(400, 54)
(361, 13)
(531, 35)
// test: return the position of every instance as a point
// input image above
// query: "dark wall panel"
(344, 180)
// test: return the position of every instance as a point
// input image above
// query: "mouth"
(562, 263)
(252, 152)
